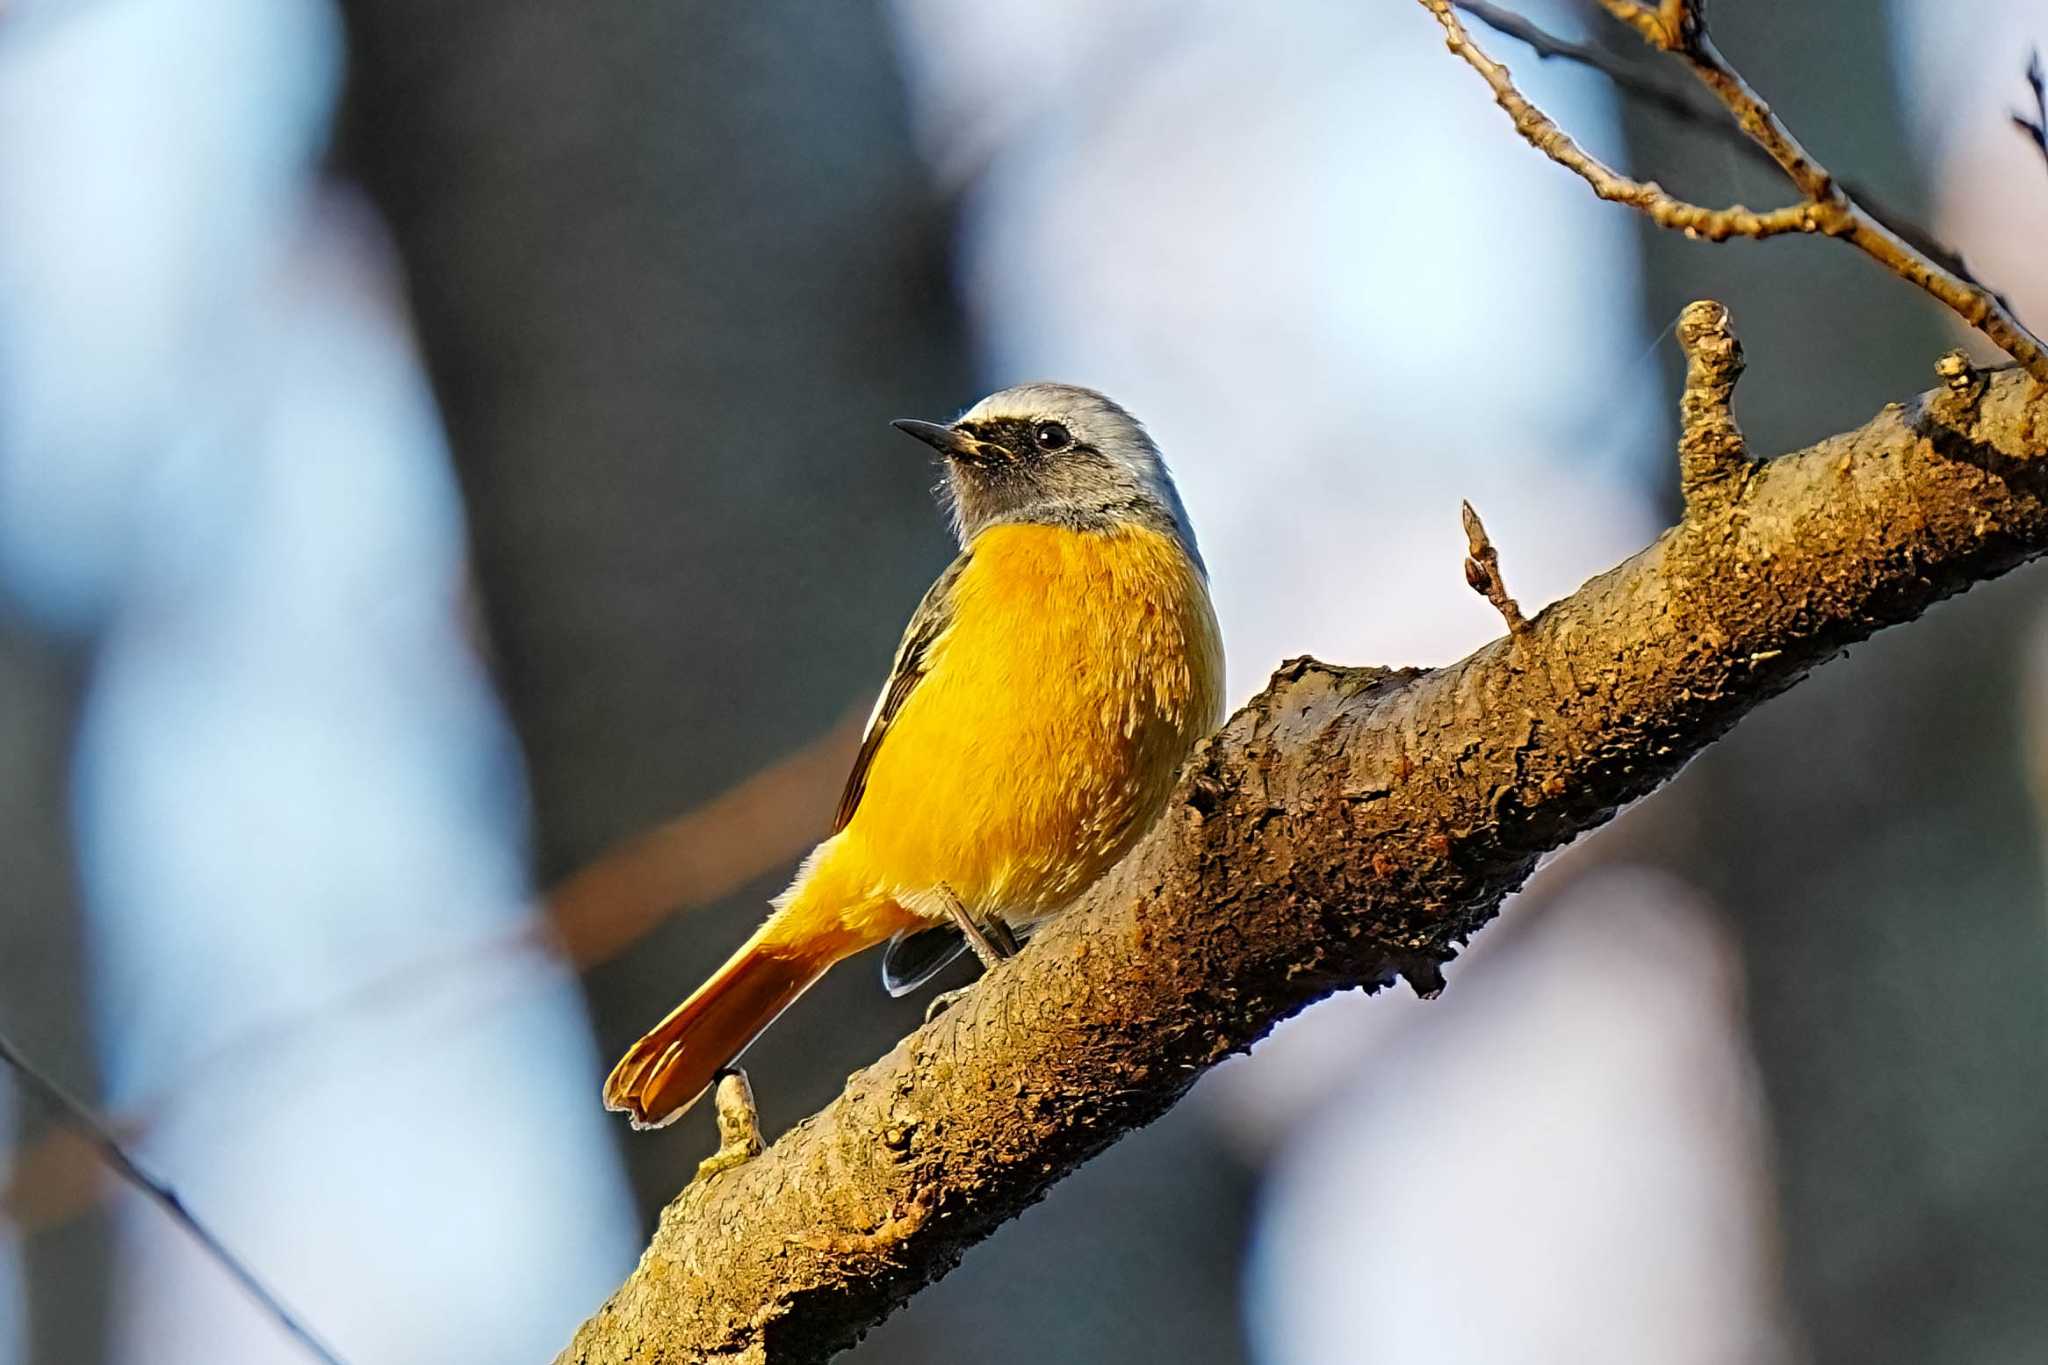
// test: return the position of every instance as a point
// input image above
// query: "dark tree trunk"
(674, 266)
(43, 993)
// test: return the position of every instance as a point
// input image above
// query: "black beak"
(948, 441)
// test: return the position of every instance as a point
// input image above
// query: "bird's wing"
(934, 614)
(915, 956)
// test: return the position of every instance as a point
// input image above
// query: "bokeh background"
(443, 461)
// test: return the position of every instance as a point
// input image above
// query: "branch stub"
(1713, 457)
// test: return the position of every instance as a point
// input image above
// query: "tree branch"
(1679, 28)
(1661, 207)
(1712, 121)
(1346, 827)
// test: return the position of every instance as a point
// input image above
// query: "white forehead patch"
(1068, 403)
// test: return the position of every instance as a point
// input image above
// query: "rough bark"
(1347, 826)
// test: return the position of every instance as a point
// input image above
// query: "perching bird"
(1045, 694)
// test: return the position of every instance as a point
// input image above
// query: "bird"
(1045, 694)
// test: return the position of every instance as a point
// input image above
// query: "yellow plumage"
(1079, 669)
(1045, 696)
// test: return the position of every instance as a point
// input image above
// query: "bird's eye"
(1052, 436)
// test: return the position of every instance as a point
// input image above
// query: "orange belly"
(1079, 670)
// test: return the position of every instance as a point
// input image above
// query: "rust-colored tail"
(828, 913)
(665, 1072)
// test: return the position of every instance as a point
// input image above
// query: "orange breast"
(1079, 670)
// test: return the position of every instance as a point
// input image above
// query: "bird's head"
(1053, 454)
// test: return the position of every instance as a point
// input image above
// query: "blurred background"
(444, 462)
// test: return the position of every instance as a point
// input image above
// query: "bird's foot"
(944, 1001)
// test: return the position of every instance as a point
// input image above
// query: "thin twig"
(1630, 82)
(109, 1149)
(1665, 209)
(2036, 126)
(1710, 120)
(764, 821)
(1679, 27)
(1667, 24)
(1482, 572)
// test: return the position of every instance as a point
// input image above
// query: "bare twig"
(1546, 44)
(1712, 456)
(1482, 572)
(109, 1149)
(2035, 126)
(1666, 210)
(1677, 27)
(1668, 24)
(1711, 120)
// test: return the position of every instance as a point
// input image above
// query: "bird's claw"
(944, 1001)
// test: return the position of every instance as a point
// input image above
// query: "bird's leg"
(1001, 936)
(992, 940)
